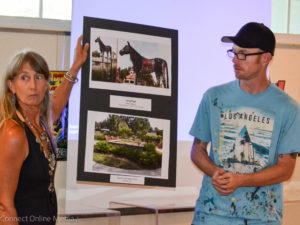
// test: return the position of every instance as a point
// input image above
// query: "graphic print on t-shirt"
(245, 139)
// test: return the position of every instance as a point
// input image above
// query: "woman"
(27, 150)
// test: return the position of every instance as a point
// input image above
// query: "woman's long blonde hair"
(8, 102)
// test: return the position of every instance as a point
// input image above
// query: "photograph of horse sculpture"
(128, 65)
(127, 143)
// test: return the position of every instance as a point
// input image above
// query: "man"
(253, 128)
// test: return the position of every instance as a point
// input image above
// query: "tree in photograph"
(140, 126)
(96, 54)
(112, 123)
(123, 73)
(123, 130)
(147, 80)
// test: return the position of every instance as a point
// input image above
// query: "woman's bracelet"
(69, 77)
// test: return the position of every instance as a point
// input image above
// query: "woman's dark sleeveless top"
(33, 202)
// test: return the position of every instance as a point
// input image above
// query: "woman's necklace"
(43, 136)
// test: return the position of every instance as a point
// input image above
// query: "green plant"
(103, 147)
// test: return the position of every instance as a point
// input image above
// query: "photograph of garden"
(128, 143)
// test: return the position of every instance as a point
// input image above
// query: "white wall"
(49, 44)
(285, 65)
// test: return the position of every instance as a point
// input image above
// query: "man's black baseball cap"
(253, 35)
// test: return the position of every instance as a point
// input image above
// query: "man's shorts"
(212, 219)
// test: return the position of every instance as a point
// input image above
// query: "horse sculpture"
(103, 48)
(143, 65)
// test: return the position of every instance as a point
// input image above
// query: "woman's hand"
(61, 95)
(80, 56)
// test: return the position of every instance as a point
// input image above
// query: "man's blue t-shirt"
(247, 132)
